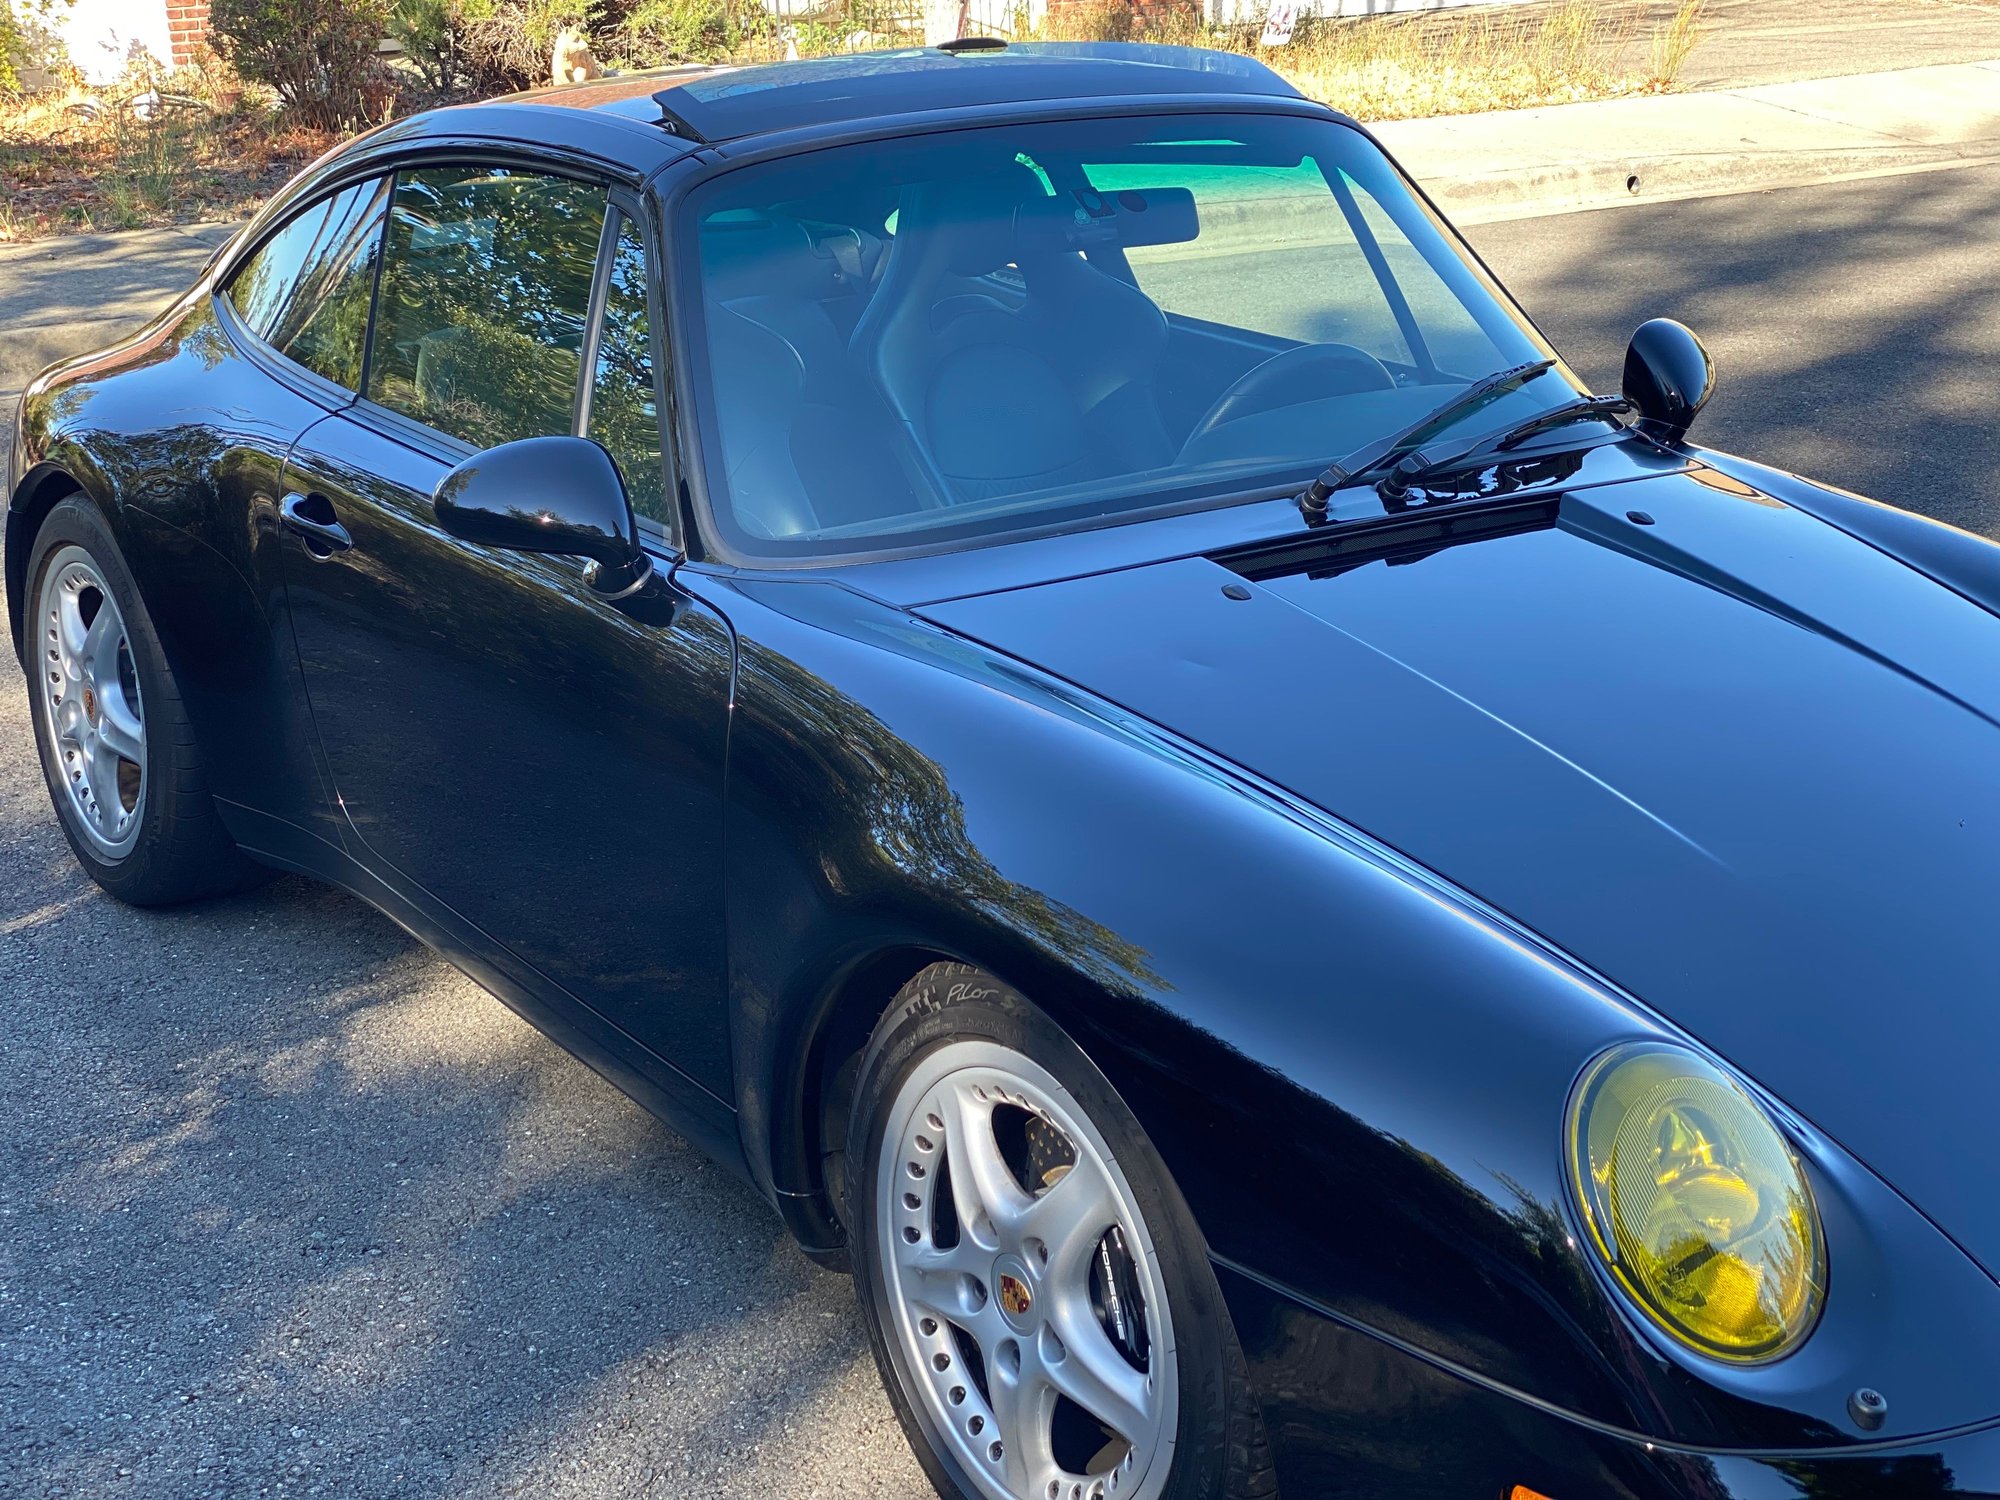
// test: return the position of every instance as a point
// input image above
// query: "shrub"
(501, 45)
(319, 55)
(664, 31)
(437, 37)
(28, 39)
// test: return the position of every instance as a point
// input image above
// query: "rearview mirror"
(1668, 376)
(559, 495)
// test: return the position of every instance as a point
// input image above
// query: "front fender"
(1356, 1074)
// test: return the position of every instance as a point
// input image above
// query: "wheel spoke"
(71, 635)
(937, 1280)
(1095, 1375)
(1070, 1218)
(98, 650)
(69, 720)
(101, 771)
(1024, 1411)
(118, 726)
(981, 1181)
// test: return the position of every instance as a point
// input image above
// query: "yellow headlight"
(1696, 1202)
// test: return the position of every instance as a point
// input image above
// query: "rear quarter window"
(306, 290)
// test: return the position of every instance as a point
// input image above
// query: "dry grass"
(88, 160)
(1442, 63)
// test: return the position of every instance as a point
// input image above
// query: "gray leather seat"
(1000, 398)
(807, 444)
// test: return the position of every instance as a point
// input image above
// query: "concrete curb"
(1535, 191)
(1656, 147)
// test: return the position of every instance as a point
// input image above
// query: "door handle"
(312, 517)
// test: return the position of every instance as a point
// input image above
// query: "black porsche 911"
(1021, 642)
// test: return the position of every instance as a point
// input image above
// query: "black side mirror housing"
(560, 495)
(1668, 377)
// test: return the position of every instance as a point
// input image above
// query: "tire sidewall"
(951, 1003)
(78, 523)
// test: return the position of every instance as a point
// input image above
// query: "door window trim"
(620, 203)
(309, 383)
(633, 208)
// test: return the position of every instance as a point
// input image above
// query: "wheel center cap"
(1015, 1292)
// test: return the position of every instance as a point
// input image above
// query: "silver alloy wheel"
(89, 698)
(1006, 1301)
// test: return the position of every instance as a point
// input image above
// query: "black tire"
(1221, 1451)
(182, 852)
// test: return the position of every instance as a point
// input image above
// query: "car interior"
(899, 354)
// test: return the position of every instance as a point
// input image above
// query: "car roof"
(728, 104)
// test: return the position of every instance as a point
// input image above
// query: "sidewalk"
(60, 297)
(1563, 157)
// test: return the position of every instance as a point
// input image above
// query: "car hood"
(1740, 763)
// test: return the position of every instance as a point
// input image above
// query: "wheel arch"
(813, 1090)
(40, 491)
(813, 1087)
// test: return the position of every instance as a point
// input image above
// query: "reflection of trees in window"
(479, 327)
(624, 414)
(306, 291)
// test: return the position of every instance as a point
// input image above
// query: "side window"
(485, 293)
(624, 411)
(1275, 255)
(306, 291)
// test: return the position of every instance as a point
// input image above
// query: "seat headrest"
(1007, 216)
(759, 256)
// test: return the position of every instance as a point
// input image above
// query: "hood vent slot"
(1407, 538)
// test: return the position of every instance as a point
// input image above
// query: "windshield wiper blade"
(1397, 482)
(1366, 460)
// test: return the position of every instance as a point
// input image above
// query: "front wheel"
(116, 747)
(1040, 1302)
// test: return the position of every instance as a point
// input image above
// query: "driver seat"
(1000, 398)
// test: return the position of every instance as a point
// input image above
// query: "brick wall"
(187, 28)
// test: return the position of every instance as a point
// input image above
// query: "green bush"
(510, 46)
(666, 31)
(439, 39)
(320, 55)
(28, 38)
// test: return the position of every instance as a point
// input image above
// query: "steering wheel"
(1311, 372)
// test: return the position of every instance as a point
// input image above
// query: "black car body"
(1341, 850)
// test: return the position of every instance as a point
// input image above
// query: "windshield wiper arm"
(1367, 459)
(1396, 483)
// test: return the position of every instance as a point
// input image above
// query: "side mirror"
(1668, 376)
(560, 495)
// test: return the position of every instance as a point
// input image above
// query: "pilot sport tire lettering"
(1039, 1301)
(116, 747)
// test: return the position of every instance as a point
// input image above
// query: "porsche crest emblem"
(1015, 1298)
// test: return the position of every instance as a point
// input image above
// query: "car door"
(545, 763)
(283, 350)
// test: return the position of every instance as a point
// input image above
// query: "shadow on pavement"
(288, 1205)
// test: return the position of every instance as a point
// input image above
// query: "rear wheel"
(116, 748)
(1041, 1305)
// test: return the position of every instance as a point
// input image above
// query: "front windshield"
(980, 333)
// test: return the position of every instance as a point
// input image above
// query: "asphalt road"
(1855, 326)
(287, 1207)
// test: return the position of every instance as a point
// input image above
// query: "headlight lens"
(1696, 1202)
